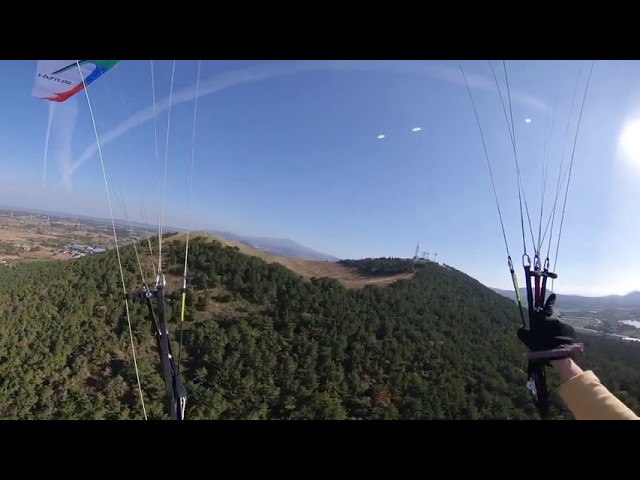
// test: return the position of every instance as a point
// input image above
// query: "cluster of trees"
(383, 267)
(260, 342)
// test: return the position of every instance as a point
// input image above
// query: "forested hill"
(261, 342)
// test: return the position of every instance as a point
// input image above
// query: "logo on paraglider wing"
(101, 66)
(71, 65)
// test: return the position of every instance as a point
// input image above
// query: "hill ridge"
(349, 276)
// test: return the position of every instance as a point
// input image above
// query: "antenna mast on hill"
(416, 256)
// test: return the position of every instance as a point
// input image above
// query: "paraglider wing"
(58, 80)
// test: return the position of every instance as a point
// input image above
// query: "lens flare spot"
(629, 142)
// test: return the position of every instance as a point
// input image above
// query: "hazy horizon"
(354, 159)
(169, 227)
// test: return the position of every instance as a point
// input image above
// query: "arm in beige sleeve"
(586, 397)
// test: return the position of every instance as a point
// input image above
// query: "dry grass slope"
(349, 277)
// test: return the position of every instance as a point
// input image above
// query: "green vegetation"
(382, 267)
(260, 342)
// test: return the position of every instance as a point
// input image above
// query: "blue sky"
(291, 149)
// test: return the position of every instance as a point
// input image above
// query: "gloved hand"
(550, 332)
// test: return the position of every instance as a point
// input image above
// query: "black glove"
(549, 331)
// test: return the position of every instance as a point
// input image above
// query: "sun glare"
(630, 142)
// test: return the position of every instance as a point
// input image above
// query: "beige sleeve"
(588, 399)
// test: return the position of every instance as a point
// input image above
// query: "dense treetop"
(260, 342)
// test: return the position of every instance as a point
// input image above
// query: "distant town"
(26, 236)
(615, 323)
(77, 250)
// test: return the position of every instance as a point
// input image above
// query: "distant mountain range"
(277, 246)
(630, 300)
